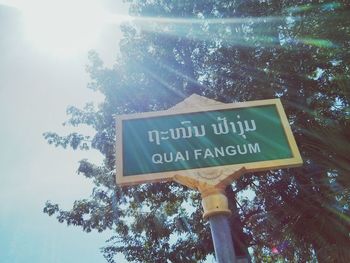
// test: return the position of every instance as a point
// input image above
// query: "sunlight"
(65, 27)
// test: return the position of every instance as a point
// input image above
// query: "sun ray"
(65, 27)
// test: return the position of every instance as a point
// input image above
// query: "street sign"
(155, 146)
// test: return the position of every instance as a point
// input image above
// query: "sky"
(43, 54)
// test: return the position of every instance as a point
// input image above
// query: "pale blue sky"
(38, 80)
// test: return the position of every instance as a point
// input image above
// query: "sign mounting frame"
(211, 174)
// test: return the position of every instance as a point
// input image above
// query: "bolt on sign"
(155, 146)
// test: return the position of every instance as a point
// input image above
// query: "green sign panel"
(162, 143)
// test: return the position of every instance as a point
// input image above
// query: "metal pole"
(216, 210)
(221, 235)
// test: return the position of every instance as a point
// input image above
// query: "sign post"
(223, 245)
(205, 145)
(215, 206)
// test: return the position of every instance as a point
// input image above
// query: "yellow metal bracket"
(214, 200)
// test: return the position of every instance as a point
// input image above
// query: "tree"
(229, 51)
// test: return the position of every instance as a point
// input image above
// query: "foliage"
(229, 51)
